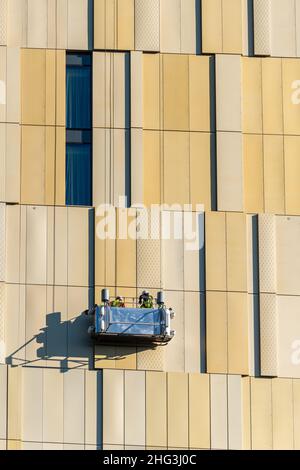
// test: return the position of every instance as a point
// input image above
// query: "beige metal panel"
(176, 111)
(13, 244)
(152, 167)
(2, 241)
(253, 176)
(113, 407)
(33, 91)
(51, 446)
(283, 28)
(218, 411)
(135, 408)
(176, 167)
(15, 328)
(36, 234)
(78, 247)
(151, 90)
(246, 413)
(93, 399)
(174, 355)
(13, 86)
(272, 96)
(232, 26)
(147, 25)
(252, 95)
(3, 401)
(199, 411)
(188, 26)
(261, 414)
(14, 410)
(74, 406)
(119, 148)
(200, 93)
(51, 30)
(215, 251)
(268, 335)
(262, 27)
(170, 26)
(193, 254)
(105, 30)
(290, 72)
(282, 417)
(126, 251)
(2, 160)
(212, 27)
(3, 444)
(60, 167)
(274, 174)
(62, 24)
(100, 159)
(172, 252)
(136, 89)
(52, 405)
(288, 252)
(101, 89)
(230, 171)
(61, 246)
(288, 336)
(17, 23)
(267, 252)
(235, 417)
(177, 410)
(60, 89)
(32, 445)
(78, 24)
(12, 163)
(3, 310)
(36, 308)
(125, 24)
(238, 359)
(156, 409)
(3, 22)
(236, 244)
(73, 447)
(137, 169)
(37, 12)
(149, 251)
(228, 92)
(3, 83)
(291, 170)
(192, 305)
(296, 405)
(119, 84)
(33, 163)
(216, 332)
(32, 404)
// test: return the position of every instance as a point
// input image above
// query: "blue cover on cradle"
(133, 321)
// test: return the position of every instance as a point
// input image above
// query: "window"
(79, 130)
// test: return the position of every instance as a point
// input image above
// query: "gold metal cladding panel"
(156, 409)
(216, 331)
(199, 411)
(282, 413)
(252, 95)
(253, 173)
(135, 408)
(177, 410)
(212, 34)
(232, 26)
(292, 169)
(272, 96)
(216, 262)
(261, 414)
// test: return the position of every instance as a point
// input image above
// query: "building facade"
(151, 111)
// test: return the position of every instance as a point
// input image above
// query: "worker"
(146, 300)
(118, 302)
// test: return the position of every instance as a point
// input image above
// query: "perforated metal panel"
(3, 21)
(151, 359)
(262, 27)
(2, 326)
(268, 334)
(148, 252)
(2, 242)
(147, 37)
(267, 252)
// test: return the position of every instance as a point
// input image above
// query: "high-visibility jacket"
(147, 302)
(117, 303)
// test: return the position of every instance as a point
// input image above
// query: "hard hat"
(119, 298)
(145, 292)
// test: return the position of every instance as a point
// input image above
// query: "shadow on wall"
(64, 344)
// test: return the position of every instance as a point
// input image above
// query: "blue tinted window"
(79, 175)
(79, 130)
(78, 97)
